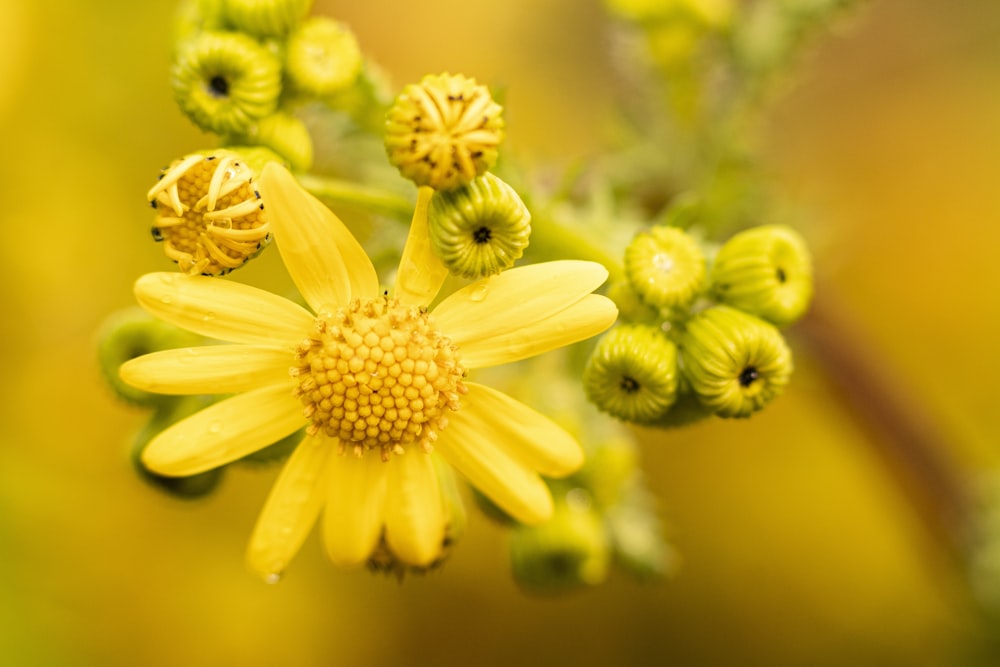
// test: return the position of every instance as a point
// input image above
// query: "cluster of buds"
(243, 67)
(698, 333)
(444, 134)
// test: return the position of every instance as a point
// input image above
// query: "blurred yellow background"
(800, 544)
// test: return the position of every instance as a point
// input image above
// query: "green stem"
(551, 240)
(346, 192)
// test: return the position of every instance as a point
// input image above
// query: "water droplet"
(479, 292)
(208, 317)
(166, 299)
(272, 578)
(215, 427)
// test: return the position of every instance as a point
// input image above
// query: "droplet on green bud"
(266, 18)
(479, 229)
(735, 362)
(632, 373)
(766, 271)
(225, 81)
(322, 57)
(665, 267)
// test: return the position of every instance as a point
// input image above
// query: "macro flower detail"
(323, 57)
(665, 267)
(444, 131)
(266, 18)
(766, 271)
(378, 380)
(225, 81)
(479, 229)
(735, 363)
(209, 216)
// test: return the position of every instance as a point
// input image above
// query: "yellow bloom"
(378, 381)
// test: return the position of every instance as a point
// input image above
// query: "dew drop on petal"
(215, 427)
(272, 578)
(479, 292)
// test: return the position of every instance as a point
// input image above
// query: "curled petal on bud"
(225, 81)
(266, 18)
(132, 333)
(766, 271)
(209, 215)
(283, 134)
(632, 373)
(666, 267)
(444, 131)
(736, 363)
(479, 229)
(322, 57)
(567, 552)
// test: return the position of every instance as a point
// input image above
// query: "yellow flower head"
(209, 216)
(444, 131)
(377, 379)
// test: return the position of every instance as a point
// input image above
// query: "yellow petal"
(352, 521)
(511, 485)
(212, 369)
(291, 508)
(326, 262)
(223, 309)
(421, 273)
(528, 436)
(414, 510)
(585, 318)
(516, 299)
(224, 432)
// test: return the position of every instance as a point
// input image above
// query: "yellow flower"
(378, 381)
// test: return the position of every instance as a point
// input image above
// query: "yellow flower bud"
(479, 229)
(665, 267)
(736, 363)
(632, 373)
(568, 551)
(444, 131)
(266, 18)
(209, 216)
(225, 81)
(322, 57)
(766, 271)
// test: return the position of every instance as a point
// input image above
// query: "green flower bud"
(225, 81)
(479, 229)
(322, 57)
(665, 267)
(266, 18)
(132, 333)
(444, 131)
(568, 551)
(195, 16)
(631, 307)
(608, 469)
(636, 536)
(209, 216)
(735, 362)
(283, 134)
(766, 271)
(632, 373)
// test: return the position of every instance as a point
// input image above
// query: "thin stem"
(346, 192)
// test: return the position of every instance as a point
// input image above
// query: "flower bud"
(631, 308)
(225, 81)
(266, 18)
(736, 363)
(322, 57)
(608, 469)
(209, 216)
(632, 373)
(766, 271)
(665, 267)
(479, 229)
(444, 131)
(132, 333)
(284, 135)
(568, 551)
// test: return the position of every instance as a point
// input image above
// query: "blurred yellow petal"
(215, 369)
(352, 520)
(585, 318)
(326, 262)
(516, 299)
(526, 435)
(421, 273)
(414, 510)
(224, 432)
(291, 508)
(222, 309)
(517, 490)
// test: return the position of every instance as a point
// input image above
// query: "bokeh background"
(809, 535)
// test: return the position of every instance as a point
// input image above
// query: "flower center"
(377, 374)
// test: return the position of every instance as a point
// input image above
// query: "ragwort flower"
(378, 381)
